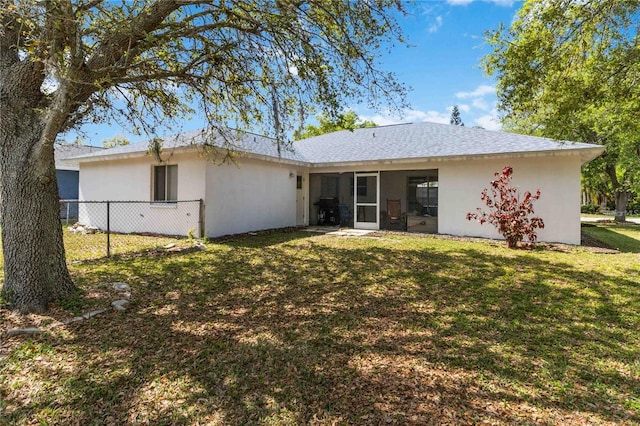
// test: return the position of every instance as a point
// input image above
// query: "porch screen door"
(366, 196)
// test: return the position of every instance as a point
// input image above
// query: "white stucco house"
(421, 177)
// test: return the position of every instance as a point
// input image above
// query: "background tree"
(455, 119)
(118, 140)
(326, 124)
(567, 69)
(144, 62)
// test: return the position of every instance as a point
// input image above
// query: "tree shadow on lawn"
(315, 331)
(616, 240)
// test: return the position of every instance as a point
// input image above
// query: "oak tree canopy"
(569, 69)
(257, 65)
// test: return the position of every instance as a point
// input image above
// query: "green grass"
(297, 328)
(625, 238)
(94, 246)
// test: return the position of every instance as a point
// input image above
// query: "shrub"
(633, 207)
(507, 212)
(590, 208)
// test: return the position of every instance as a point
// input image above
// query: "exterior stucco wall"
(251, 195)
(255, 194)
(130, 180)
(462, 181)
(558, 179)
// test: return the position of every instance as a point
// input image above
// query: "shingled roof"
(241, 142)
(412, 141)
(63, 153)
(427, 141)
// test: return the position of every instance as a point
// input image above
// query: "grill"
(328, 211)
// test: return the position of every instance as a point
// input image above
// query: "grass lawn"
(625, 238)
(297, 328)
(83, 247)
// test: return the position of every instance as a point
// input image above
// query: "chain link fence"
(115, 218)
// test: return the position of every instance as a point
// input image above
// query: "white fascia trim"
(586, 154)
(189, 149)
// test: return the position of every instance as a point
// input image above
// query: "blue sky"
(441, 66)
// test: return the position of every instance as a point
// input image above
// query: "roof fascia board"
(586, 154)
(584, 157)
(186, 150)
(127, 155)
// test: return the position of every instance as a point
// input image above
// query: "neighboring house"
(422, 177)
(67, 174)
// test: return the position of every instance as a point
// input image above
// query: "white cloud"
(505, 3)
(480, 91)
(464, 107)
(409, 116)
(436, 25)
(489, 121)
(480, 103)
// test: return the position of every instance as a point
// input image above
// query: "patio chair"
(394, 213)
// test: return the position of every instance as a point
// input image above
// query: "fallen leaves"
(323, 330)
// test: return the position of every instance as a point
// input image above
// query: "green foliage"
(115, 141)
(258, 65)
(634, 204)
(567, 70)
(590, 208)
(326, 124)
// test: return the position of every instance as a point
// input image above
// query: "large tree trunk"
(35, 269)
(622, 197)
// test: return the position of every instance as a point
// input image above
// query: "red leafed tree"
(507, 212)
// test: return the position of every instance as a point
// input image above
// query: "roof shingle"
(395, 142)
(422, 140)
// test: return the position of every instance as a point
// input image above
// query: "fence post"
(108, 230)
(201, 217)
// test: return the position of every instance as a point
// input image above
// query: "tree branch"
(115, 47)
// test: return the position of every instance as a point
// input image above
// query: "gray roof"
(424, 140)
(242, 142)
(64, 152)
(396, 142)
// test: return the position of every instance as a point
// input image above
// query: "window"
(299, 182)
(165, 183)
(362, 187)
(422, 196)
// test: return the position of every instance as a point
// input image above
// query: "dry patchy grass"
(290, 328)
